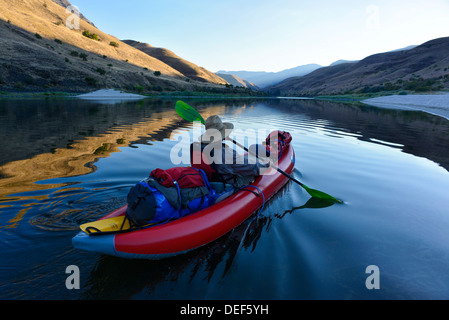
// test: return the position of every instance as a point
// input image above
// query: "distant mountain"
(336, 63)
(237, 81)
(39, 53)
(188, 69)
(422, 68)
(263, 79)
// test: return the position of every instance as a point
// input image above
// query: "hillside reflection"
(77, 137)
(415, 132)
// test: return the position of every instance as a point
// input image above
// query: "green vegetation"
(101, 71)
(28, 79)
(422, 85)
(38, 36)
(157, 73)
(89, 35)
(401, 86)
(102, 149)
(114, 44)
(80, 55)
(58, 41)
(92, 82)
(32, 95)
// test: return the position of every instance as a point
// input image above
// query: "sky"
(271, 35)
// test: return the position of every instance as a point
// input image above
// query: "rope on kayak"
(282, 148)
(258, 195)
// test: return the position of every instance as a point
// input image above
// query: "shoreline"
(436, 104)
(109, 96)
(177, 94)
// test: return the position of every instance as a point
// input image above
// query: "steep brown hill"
(65, 4)
(237, 81)
(188, 69)
(38, 52)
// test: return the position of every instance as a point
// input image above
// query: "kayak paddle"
(314, 193)
(190, 114)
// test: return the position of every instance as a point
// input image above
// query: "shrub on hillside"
(101, 71)
(91, 81)
(92, 36)
(419, 84)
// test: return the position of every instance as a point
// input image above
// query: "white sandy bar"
(437, 104)
(110, 94)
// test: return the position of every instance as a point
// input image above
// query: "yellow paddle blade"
(107, 225)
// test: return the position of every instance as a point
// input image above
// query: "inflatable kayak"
(190, 232)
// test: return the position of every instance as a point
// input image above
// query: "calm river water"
(65, 162)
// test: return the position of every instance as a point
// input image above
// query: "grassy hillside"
(38, 52)
(188, 69)
(237, 81)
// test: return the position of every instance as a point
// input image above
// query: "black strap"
(91, 230)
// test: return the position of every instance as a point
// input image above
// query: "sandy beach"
(110, 95)
(437, 104)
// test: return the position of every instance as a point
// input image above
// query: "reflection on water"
(78, 156)
(67, 162)
(413, 132)
(20, 177)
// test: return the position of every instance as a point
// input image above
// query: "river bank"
(437, 104)
(173, 94)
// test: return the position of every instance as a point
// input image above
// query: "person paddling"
(227, 165)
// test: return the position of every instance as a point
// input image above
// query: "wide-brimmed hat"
(214, 128)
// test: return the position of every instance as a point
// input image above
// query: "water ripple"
(390, 167)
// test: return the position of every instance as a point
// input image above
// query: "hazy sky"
(271, 35)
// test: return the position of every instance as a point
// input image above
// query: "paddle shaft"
(272, 164)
